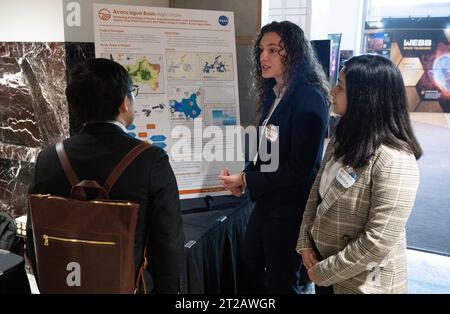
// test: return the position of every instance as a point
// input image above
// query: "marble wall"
(33, 110)
(33, 113)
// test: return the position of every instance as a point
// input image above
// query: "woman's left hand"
(309, 258)
(312, 275)
(233, 183)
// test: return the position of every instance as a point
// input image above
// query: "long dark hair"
(376, 111)
(300, 62)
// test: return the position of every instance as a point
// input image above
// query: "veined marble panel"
(33, 109)
(15, 177)
(33, 113)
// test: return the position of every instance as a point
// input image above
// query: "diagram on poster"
(185, 102)
(217, 66)
(150, 110)
(220, 95)
(145, 70)
(224, 116)
(183, 66)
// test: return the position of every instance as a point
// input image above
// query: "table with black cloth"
(213, 238)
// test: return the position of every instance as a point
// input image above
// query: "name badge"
(271, 132)
(346, 177)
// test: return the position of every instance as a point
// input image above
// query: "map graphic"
(144, 70)
(185, 103)
(217, 66)
(183, 66)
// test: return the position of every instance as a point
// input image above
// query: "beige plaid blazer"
(360, 231)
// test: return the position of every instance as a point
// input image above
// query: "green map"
(144, 72)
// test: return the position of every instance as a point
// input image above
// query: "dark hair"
(376, 111)
(96, 89)
(300, 62)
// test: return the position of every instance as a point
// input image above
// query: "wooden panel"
(244, 40)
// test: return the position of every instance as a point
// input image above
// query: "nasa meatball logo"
(104, 14)
(223, 20)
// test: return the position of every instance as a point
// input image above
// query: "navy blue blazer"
(302, 119)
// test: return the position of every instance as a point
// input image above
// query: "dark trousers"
(270, 262)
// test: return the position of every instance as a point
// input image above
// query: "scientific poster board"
(184, 62)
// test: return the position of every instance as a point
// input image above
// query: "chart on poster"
(184, 64)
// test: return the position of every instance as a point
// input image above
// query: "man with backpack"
(101, 95)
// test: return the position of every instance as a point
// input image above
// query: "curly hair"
(300, 64)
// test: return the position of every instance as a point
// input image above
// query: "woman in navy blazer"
(292, 98)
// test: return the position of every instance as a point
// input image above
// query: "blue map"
(187, 106)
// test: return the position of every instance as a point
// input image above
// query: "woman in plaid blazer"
(352, 237)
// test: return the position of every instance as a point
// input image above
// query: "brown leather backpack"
(85, 246)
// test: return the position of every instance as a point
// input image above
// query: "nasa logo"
(223, 20)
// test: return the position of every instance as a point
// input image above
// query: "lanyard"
(264, 125)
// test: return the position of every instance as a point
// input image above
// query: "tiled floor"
(33, 285)
(428, 273)
(437, 119)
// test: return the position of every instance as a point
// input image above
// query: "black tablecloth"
(13, 278)
(213, 239)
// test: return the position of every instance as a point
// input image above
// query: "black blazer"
(302, 118)
(149, 181)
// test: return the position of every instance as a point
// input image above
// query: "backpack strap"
(140, 280)
(115, 174)
(123, 164)
(67, 167)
